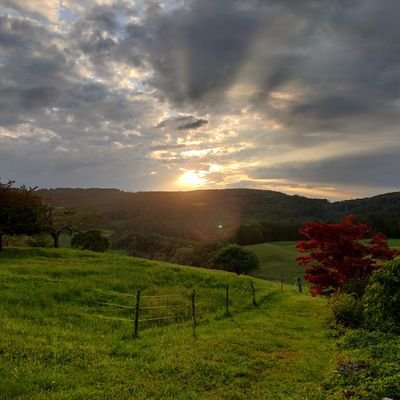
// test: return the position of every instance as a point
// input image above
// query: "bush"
(234, 258)
(16, 240)
(347, 310)
(90, 240)
(382, 299)
(40, 240)
(368, 366)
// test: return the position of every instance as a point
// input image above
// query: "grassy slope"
(50, 350)
(277, 259)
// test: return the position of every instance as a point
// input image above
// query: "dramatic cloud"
(297, 96)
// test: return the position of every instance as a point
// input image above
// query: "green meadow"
(277, 259)
(58, 340)
(394, 243)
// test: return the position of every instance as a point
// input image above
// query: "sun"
(191, 178)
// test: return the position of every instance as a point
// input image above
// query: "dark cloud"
(377, 169)
(193, 124)
(183, 122)
(332, 107)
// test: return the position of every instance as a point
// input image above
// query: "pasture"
(58, 342)
(277, 259)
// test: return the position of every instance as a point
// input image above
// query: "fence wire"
(155, 309)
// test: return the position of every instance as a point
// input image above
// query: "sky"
(301, 97)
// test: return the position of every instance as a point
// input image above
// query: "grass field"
(277, 259)
(54, 345)
(394, 243)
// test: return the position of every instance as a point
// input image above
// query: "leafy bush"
(235, 259)
(382, 299)
(16, 240)
(40, 240)
(90, 240)
(347, 310)
(368, 367)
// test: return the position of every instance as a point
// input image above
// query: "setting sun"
(191, 178)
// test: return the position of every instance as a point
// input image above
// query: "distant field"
(394, 243)
(55, 345)
(277, 259)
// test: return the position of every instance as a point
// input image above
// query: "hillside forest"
(188, 227)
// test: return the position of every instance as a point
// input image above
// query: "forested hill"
(213, 214)
(389, 203)
(199, 215)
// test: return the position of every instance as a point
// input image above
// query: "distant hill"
(389, 202)
(203, 215)
(381, 212)
(207, 215)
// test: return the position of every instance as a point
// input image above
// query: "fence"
(175, 307)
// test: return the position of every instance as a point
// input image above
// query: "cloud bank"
(301, 97)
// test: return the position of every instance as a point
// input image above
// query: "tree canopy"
(234, 258)
(337, 256)
(22, 211)
(90, 240)
(69, 220)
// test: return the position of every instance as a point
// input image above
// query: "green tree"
(250, 233)
(90, 240)
(60, 220)
(21, 211)
(234, 258)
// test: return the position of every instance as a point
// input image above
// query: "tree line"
(24, 212)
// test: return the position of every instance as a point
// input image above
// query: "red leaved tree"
(337, 258)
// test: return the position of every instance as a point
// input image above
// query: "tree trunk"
(1, 242)
(55, 237)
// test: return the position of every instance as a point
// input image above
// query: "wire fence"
(144, 310)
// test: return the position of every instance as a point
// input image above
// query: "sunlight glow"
(191, 178)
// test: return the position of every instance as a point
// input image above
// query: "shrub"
(382, 299)
(234, 258)
(90, 240)
(347, 310)
(40, 240)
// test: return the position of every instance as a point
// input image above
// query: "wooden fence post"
(137, 309)
(227, 301)
(299, 286)
(254, 293)
(194, 311)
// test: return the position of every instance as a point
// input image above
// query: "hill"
(203, 215)
(209, 215)
(187, 227)
(58, 340)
